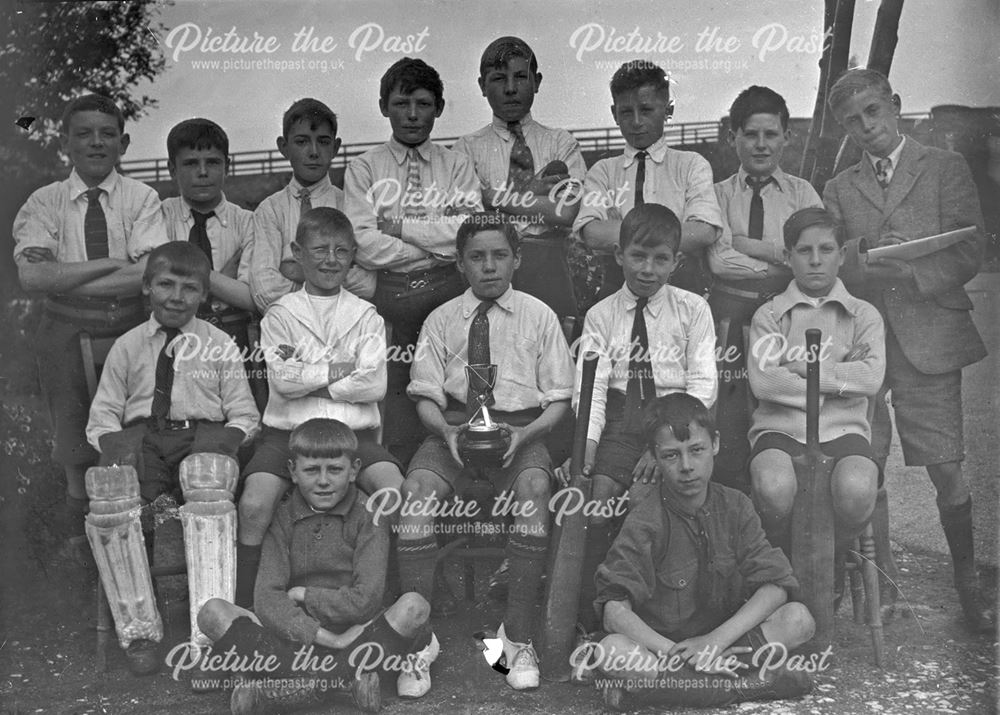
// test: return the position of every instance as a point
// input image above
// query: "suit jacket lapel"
(905, 175)
(864, 179)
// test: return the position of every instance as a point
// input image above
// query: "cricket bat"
(567, 548)
(812, 515)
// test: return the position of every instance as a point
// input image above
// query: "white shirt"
(679, 180)
(52, 218)
(375, 186)
(340, 328)
(893, 159)
(274, 225)
(681, 347)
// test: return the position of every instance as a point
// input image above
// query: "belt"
(415, 280)
(226, 316)
(155, 425)
(94, 312)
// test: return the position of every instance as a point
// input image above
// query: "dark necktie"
(522, 163)
(640, 388)
(95, 226)
(305, 204)
(479, 345)
(164, 378)
(755, 228)
(640, 177)
(199, 233)
(882, 167)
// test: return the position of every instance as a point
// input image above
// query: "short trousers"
(434, 456)
(837, 449)
(271, 454)
(162, 452)
(619, 449)
(927, 410)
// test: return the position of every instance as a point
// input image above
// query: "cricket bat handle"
(814, 338)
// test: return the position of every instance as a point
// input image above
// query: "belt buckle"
(417, 283)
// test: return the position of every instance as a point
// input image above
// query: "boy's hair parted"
(486, 221)
(197, 133)
(323, 220)
(678, 411)
(807, 218)
(321, 438)
(650, 225)
(178, 257)
(757, 100)
(409, 75)
(312, 110)
(637, 73)
(499, 52)
(92, 103)
(858, 80)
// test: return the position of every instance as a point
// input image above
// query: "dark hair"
(326, 221)
(410, 75)
(858, 80)
(486, 221)
(197, 134)
(650, 225)
(92, 103)
(678, 411)
(757, 100)
(321, 438)
(638, 73)
(179, 257)
(807, 218)
(499, 52)
(312, 110)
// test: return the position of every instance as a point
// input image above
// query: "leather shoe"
(142, 656)
(979, 617)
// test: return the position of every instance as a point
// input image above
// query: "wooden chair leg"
(883, 549)
(104, 626)
(857, 592)
(869, 570)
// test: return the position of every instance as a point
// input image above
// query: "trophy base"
(484, 447)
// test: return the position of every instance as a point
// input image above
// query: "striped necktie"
(640, 387)
(479, 347)
(95, 226)
(882, 169)
(164, 385)
(522, 163)
(414, 187)
(305, 204)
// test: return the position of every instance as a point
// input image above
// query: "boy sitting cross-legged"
(491, 323)
(852, 365)
(319, 595)
(692, 580)
(326, 357)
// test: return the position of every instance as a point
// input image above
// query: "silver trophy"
(483, 442)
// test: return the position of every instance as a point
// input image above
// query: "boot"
(957, 524)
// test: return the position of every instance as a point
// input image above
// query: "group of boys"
(407, 243)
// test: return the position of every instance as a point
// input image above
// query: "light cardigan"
(777, 333)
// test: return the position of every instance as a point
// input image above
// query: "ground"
(47, 610)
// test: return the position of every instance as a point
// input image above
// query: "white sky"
(947, 54)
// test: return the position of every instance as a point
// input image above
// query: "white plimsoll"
(415, 680)
(522, 662)
(208, 481)
(115, 538)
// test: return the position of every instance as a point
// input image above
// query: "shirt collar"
(470, 302)
(221, 211)
(300, 509)
(657, 151)
(400, 150)
(77, 186)
(792, 297)
(324, 184)
(152, 326)
(781, 181)
(655, 303)
(500, 126)
(893, 155)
